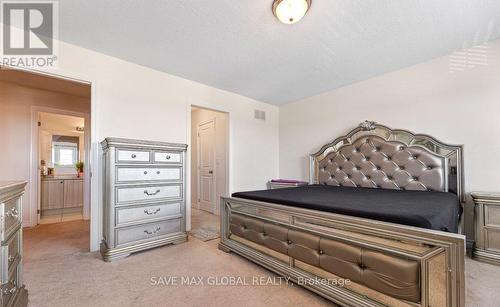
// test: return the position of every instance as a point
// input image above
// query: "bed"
(379, 225)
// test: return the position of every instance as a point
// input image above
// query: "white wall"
(133, 101)
(15, 129)
(199, 116)
(137, 102)
(462, 107)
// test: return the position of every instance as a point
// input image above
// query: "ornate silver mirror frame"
(452, 154)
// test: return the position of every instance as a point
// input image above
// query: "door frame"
(211, 107)
(214, 164)
(93, 164)
(35, 177)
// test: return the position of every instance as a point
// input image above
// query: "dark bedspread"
(432, 210)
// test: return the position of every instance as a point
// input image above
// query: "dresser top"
(486, 195)
(9, 186)
(112, 141)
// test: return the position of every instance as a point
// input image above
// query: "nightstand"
(281, 183)
(487, 227)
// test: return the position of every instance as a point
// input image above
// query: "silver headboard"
(376, 156)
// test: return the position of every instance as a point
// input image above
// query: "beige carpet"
(59, 272)
(204, 226)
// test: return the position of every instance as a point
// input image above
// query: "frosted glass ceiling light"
(290, 11)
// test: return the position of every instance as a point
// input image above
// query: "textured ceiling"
(238, 45)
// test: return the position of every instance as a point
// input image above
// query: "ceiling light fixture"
(290, 11)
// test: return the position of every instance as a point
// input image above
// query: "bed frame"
(355, 261)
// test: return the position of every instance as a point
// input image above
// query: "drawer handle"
(151, 193)
(11, 290)
(152, 232)
(168, 157)
(158, 172)
(145, 172)
(133, 156)
(151, 213)
(13, 213)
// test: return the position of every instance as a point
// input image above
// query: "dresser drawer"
(132, 174)
(11, 214)
(13, 249)
(492, 215)
(167, 157)
(126, 155)
(10, 288)
(492, 239)
(125, 215)
(149, 231)
(148, 193)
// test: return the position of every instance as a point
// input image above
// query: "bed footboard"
(350, 261)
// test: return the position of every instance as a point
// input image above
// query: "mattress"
(425, 209)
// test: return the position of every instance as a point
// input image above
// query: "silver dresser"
(144, 196)
(13, 292)
(487, 226)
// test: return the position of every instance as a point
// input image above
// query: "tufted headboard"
(375, 156)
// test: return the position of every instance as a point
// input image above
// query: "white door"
(206, 166)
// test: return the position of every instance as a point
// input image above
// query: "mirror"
(65, 153)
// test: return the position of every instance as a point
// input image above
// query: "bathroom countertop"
(49, 178)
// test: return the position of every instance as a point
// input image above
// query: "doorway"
(61, 152)
(27, 99)
(209, 169)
